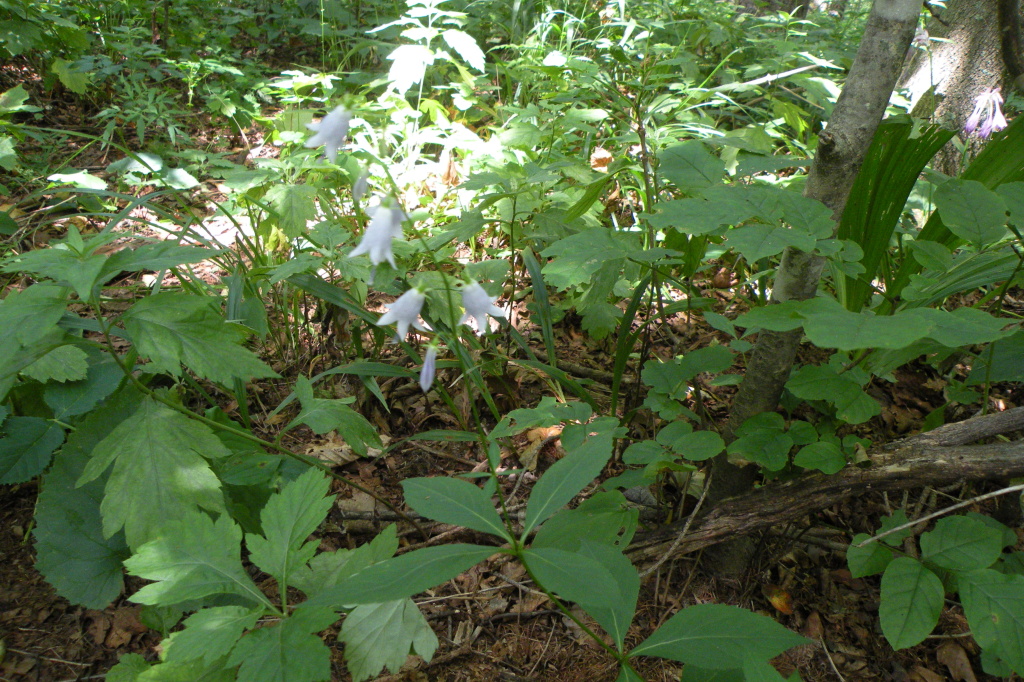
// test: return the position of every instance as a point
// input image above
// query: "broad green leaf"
(128, 668)
(378, 635)
(79, 397)
(27, 315)
(403, 576)
(910, 604)
(697, 446)
(566, 477)
(574, 576)
(160, 471)
(806, 215)
(994, 606)
(758, 241)
(72, 552)
(867, 560)
(767, 447)
(1003, 362)
(693, 673)
(81, 179)
(288, 651)
(578, 257)
(177, 328)
(698, 216)
(963, 326)
(1013, 194)
(718, 637)
(26, 446)
(454, 501)
(66, 363)
(971, 211)
(194, 558)
(195, 670)
(159, 256)
(760, 671)
(328, 569)
(778, 317)
(59, 263)
(288, 519)
(70, 77)
(827, 458)
(628, 675)
(691, 166)
(959, 543)
(548, 413)
(323, 415)
(466, 47)
(210, 633)
(178, 178)
(671, 377)
(614, 615)
(295, 206)
(605, 518)
(832, 326)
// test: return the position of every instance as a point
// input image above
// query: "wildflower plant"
(987, 116)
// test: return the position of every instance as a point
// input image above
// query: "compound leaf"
(288, 651)
(209, 633)
(376, 635)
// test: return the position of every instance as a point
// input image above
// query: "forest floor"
(491, 624)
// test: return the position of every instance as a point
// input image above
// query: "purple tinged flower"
(987, 117)
(479, 304)
(385, 225)
(360, 186)
(429, 368)
(405, 312)
(330, 131)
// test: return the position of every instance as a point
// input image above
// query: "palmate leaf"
(160, 472)
(66, 363)
(452, 500)
(755, 242)
(79, 271)
(577, 257)
(378, 635)
(288, 651)
(295, 207)
(175, 329)
(194, 558)
(691, 166)
(288, 519)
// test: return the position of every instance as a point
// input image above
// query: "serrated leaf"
(454, 501)
(403, 576)
(324, 415)
(194, 558)
(210, 633)
(826, 457)
(26, 446)
(971, 211)
(128, 668)
(378, 635)
(295, 207)
(574, 576)
(160, 472)
(698, 216)
(465, 45)
(994, 606)
(74, 80)
(288, 651)
(959, 543)
(717, 637)
(567, 477)
(66, 363)
(409, 64)
(867, 560)
(328, 569)
(80, 272)
(176, 328)
(578, 257)
(910, 604)
(288, 519)
(27, 315)
(691, 166)
(79, 397)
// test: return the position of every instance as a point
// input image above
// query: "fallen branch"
(912, 463)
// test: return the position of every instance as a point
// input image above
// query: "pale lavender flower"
(429, 368)
(479, 304)
(360, 186)
(385, 225)
(404, 312)
(330, 131)
(987, 117)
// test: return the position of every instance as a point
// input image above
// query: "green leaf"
(963, 326)
(72, 552)
(614, 615)
(867, 560)
(27, 315)
(628, 675)
(79, 397)
(194, 558)
(288, 519)
(210, 633)
(827, 458)
(378, 635)
(829, 325)
(323, 415)
(717, 637)
(295, 206)
(698, 216)
(74, 80)
(454, 501)
(959, 543)
(177, 328)
(566, 477)
(403, 576)
(696, 446)
(758, 241)
(910, 604)
(328, 569)
(66, 363)
(1013, 194)
(605, 518)
(79, 271)
(578, 257)
(189, 671)
(690, 166)
(671, 377)
(762, 440)
(288, 651)
(895, 520)
(128, 668)
(548, 413)
(1002, 362)
(574, 576)
(26, 447)
(160, 472)
(159, 256)
(465, 45)
(971, 211)
(994, 606)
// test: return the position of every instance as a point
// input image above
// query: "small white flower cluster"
(385, 226)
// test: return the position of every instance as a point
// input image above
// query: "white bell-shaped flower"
(330, 131)
(405, 312)
(479, 304)
(429, 368)
(385, 224)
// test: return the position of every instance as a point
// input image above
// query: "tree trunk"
(842, 147)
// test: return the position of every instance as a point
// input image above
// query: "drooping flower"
(405, 312)
(385, 225)
(479, 304)
(429, 368)
(987, 117)
(360, 186)
(330, 131)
